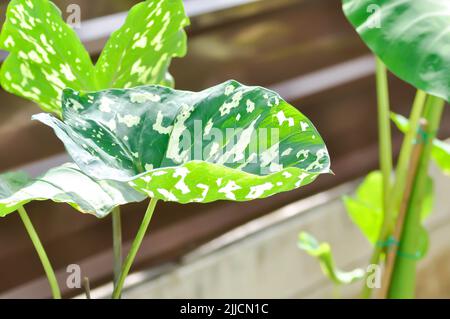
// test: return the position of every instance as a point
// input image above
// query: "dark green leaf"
(322, 251)
(46, 56)
(411, 37)
(228, 142)
(64, 184)
(366, 208)
(441, 150)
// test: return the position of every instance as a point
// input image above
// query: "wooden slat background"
(261, 43)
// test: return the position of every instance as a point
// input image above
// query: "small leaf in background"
(441, 150)
(229, 142)
(140, 51)
(46, 56)
(322, 251)
(65, 184)
(441, 155)
(365, 209)
(411, 37)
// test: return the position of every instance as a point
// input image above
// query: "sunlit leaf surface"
(230, 142)
(366, 207)
(64, 184)
(411, 37)
(46, 56)
(322, 251)
(140, 51)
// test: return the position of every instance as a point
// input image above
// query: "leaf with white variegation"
(230, 142)
(46, 56)
(65, 184)
(140, 51)
(411, 37)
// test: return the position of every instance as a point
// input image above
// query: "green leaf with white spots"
(411, 37)
(140, 52)
(64, 184)
(365, 209)
(230, 142)
(322, 251)
(441, 150)
(46, 56)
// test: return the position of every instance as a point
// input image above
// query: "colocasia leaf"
(46, 56)
(140, 52)
(322, 251)
(366, 207)
(441, 150)
(230, 142)
(65, 184)
(411, 37)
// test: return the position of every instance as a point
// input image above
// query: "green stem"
(117, 243)
(406, 151)
(400, 179)
(384, 131)
(134, 248)
(404, 275)
(41, 252)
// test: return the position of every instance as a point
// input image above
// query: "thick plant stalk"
(409, 151)
(391, 255)
(41, 252)
(117, 243)
(404, 275)
(134, 249)
(407, 147)
(384, 131)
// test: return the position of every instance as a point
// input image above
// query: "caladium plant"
(251, 142)
(64, 184)
(411, 39)
(229, 142)
(46, 56)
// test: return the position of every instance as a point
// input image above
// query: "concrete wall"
(261, 260)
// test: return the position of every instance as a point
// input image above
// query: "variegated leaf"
(230, 142)
(140, 51)
(65, 184)
(46, 56)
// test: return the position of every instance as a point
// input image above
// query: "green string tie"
(392, 242)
